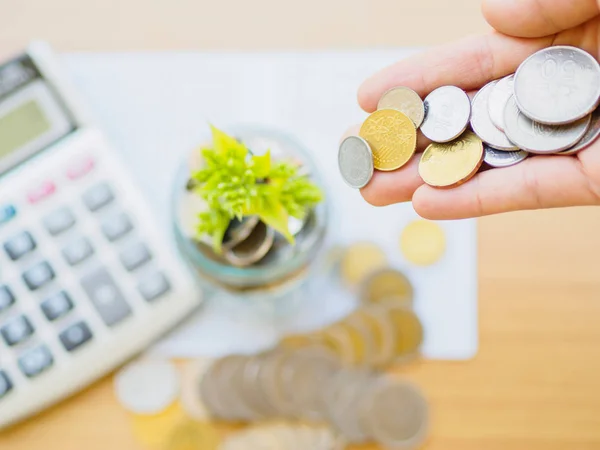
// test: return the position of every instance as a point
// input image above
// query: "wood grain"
(534, 384)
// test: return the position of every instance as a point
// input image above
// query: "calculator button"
(57, 306)
(80, 168)
(153, 286)
(75, 336)
(135, 256)
(5, 384)
(19, 245)
(6, 298)
(7, 212)
(77, 251)
(98, 196)
(106, 297)
(116, 227)
(60, 220)
(16, 331)
(36, 361)
(41, 191)
(38, 276)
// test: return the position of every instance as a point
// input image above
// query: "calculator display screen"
(21, 125)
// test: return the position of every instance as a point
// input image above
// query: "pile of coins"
(312, 384)
(548, 106)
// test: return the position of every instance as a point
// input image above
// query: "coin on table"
(405, 100)
(392, 137)
(499, 95)
(557, 85)
(229, 387)
(355, 162)
(153, 430)
(383, 332)
(359, 260)
(147, 386)
(253, 248)
(385, 283)
(363, 341)
(409, 332)
(395, 413)
(500, 158)
(590, 136)
(271, 382)
(482, 124)
(191, 435)
(342, 397)
(535, 137)
(423, 242)
(453, 163)
(339, 342)
(447, 114)
(216, 391)
(192, 373)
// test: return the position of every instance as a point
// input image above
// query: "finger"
(536, 18)
(538, 182)
(386, 188)
(468, 64)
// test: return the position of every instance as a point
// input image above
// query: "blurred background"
(534, 382)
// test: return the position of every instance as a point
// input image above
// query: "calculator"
(87, 278)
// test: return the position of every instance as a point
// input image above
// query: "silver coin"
(499, 158)
(498, 98)
(405, 100)
(589, 137)
(253, 248)
(239, 230)
(395, 414)
(481, 123)
(535, 137)
(355, 161)
(447, 114)
(558, 85)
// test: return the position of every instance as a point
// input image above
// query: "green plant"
(234, 184)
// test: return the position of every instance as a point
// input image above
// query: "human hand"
(522, 28)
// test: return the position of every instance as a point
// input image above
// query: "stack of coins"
(549, 106)
(313, 385)
(382, 331)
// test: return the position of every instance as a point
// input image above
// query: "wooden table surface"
(535, 384)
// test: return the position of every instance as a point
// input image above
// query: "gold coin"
(392, 137)
(360, 260)
(451, 164)
(340, 343)
(191, 435)
(299, 340)
(409, 331)
(406, 101)
(423, 242)
(385, 284)
(154, 430)
(362, 340)
(380, 334)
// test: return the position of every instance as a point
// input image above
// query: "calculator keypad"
(135, 256)
(59, 221)
(38, 276)
(75, 336)
(19, 245)
(115, 227)
(35, 361)
(106, 297)
(16, 331)
(5, 384)
(153, 286)
(57, 306)
(7, 299)
(98, 197)
(78, 251)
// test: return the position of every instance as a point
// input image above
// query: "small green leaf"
(261, 165)
(274, 215)
(227, 145)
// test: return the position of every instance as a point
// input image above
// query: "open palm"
(523, 27)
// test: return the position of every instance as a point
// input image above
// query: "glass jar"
(279, 282)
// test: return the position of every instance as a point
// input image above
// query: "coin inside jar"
(447, 114)
(253, 248)
(392, 137)
(453, 163)
(405, 100)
